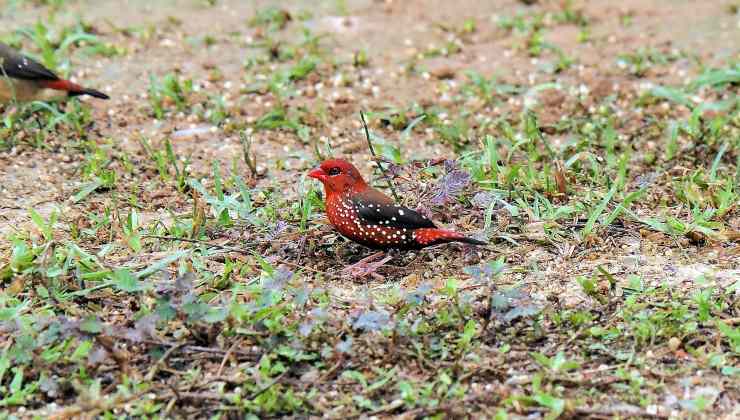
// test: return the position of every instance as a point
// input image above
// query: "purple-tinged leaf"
(521, 312)
(279, 228)
(166, 287)
(393, 170)
(184, 283)
(473, 271)
(372, 320)
(319, 313)
(68, 327)
(133, 334)
(146, 326)
(306, 327)
(97, 356)
(278, 279)
(49, 386)
(6, 327)
(646, 180)
(450, 186)
(345, 346)
(301, 295)
(315, 317)
(483, 200)
(493, 268)
(514, 303)
(486, 271)
(417, 296)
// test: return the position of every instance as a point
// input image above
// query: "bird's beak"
(319, 174)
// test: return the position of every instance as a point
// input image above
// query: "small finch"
(24, 79)
(369, 217)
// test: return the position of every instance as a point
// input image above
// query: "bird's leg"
(367, 266)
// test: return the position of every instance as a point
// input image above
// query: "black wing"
(18, 66)
(391, 215)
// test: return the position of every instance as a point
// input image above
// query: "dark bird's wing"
(385, 213)
(18, 66)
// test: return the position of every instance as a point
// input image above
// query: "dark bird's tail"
(74, 89)
(87, 91)
(471, 241)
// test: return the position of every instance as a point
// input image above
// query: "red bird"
(369, 217)
(23, 79)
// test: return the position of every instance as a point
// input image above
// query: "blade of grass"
(631, 197)
(161, 264)
(715, 163)
(375, 157)
(596, 212)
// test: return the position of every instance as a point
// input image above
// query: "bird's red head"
(338, 176)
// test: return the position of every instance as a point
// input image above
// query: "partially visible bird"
(369, 217)
(24, 79)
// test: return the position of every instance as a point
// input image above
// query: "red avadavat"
(369, 217)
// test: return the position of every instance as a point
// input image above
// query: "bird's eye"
(334, 171)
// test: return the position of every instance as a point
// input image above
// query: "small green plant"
(639, 62)
(272, 18)
(167, 91)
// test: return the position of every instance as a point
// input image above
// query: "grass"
(167, 277)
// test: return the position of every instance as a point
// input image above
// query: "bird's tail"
(471, 241)
(74, 89)
(431, 236)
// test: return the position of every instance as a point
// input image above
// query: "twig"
(446, 408)
(573, 338)
(251, 161)
(268, 385)
(198, 396)
(169, 406)
(153, 370)
(376, 159)
(387, 408)
(618, 412)
(199, 215)
(330, 373)
(472, 286)
(200, 349)
(728, 321)
(226, 357)
(120, 357)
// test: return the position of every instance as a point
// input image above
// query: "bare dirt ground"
(554, 113)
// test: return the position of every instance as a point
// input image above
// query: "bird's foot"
(367, 266)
